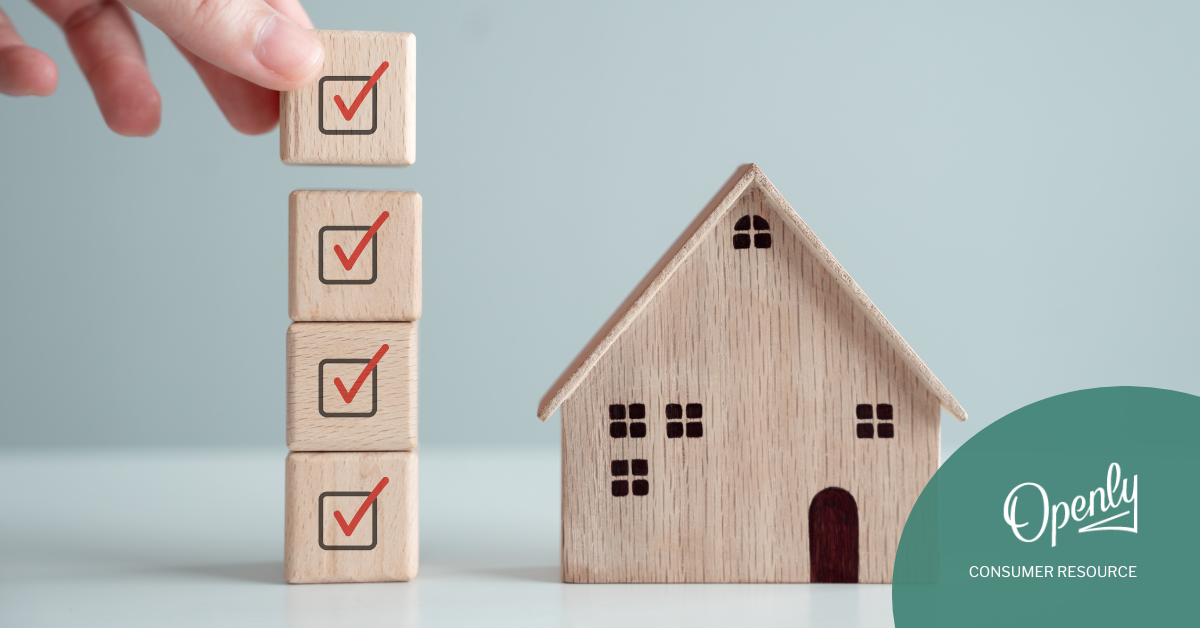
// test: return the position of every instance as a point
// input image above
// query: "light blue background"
(1014, 185)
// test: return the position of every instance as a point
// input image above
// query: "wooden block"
(352, 386)
(360, 111)
(374, 494)
(327, 229)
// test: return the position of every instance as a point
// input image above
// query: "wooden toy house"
(746, 415)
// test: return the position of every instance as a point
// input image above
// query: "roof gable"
(745, 177)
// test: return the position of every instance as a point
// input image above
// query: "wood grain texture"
(779, 354)
(390, 525)
(393, 113)
(384, 282)
(701, 227)
(311, 388)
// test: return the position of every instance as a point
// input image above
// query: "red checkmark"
(349, 113)
(348, 395)
(348, 262)
(348, 528)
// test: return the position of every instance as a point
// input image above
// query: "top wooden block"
(360, 111)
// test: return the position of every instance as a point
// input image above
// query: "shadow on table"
(548, 573)
(270, 572)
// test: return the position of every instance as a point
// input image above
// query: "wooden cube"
(352, 386)
(362, 110)
(354, 256)
(350, 517)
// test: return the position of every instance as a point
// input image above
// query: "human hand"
(245, 51)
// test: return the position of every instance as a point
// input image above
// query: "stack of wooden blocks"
(354, 296)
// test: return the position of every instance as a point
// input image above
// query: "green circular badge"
(1078, 510)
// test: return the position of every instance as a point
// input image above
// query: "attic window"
(762, 239)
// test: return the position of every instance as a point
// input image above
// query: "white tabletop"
(195, 537)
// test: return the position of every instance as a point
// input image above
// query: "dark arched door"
(833, 536)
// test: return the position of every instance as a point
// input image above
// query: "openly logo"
(1080, 509)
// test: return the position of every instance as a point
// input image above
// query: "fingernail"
(286, 49)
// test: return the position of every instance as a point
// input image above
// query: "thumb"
(243, 37)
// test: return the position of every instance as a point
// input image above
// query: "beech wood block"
(352, 386)
(344, 523)
(360, 111)
(354, 256)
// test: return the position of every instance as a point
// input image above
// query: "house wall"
(778, 355)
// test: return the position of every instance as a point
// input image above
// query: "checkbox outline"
(321, 520)
(345, 282)
(321, 106)
(321, 390)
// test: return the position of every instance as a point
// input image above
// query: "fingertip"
(128, 100)
(258, 113)
(250, 108)
(26, 71)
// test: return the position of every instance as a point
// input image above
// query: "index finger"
(248, 38)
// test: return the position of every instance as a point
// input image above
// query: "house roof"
(745, 176)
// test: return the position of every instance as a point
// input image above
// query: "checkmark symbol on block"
(348, 262)
(348, 395)
(348, 528)
(348, 112)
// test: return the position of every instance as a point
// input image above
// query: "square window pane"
(641, 487)
(695, 429)
(863, 411)
(616, 429)
(741, 241)
(885, 411)
(637, 410)
(695, 411)
(674, 411)
(886, 430)
(616, 412)
(762, 240)
(641, 467)
(620, 467)
(620, 488)
(674, 429)
(637, 429)
(866, 430)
